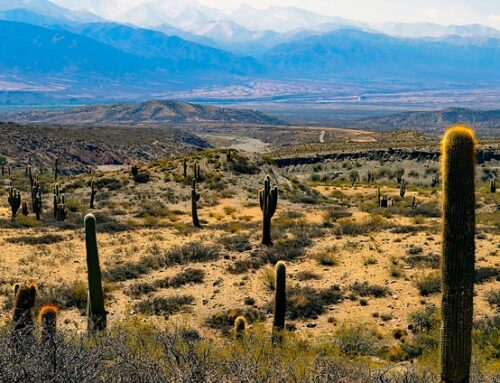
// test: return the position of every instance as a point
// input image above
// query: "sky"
(446, 12)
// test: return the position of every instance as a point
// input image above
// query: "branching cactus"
(37, 203)
(15, 200)
(240, 326)
(23, 313)
(195, 197)
(47, 320)
(95, 305)
(457, 266)
(93, 192)
(268, 199)
(60, 211)
(279, 300)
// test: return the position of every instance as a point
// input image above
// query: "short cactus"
(240, 325)
(493, 185)
(15, 199)
(24, 208)
(279, 298)
(384, 202)
(47, 320)
(134, 170)
(23, 312)
(268, 199)
(95, 305)
(195, 197)
(458, 247)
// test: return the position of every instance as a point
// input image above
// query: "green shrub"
(364, 289)
(164, 306)
(429, 284)
(306, 302)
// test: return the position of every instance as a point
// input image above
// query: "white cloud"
(494, 17)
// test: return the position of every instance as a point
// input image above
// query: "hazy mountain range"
(97, 49)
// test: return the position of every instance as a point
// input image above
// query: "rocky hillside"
(78, 148)
(485, 122)
(151, 112)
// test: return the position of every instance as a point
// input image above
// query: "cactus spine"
(457, 267)
(279, 299)
(47, 319)
(93, 192)
(195, 197)
(14, 200)
(23, 312)
(95, 305)
(268, 199)
(240, 325)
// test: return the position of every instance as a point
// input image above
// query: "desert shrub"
(486, 274)
(283, 250)
(414, 250)
(109, 183)
(307, 275)
(25, 221)
(335, 214)
(182, 278)
(306, 302)
(426, 319)
(432, 260)
(348, 226)
(164, 306)
(241, 165)
(486, 337)
(493, 298)
(357, 340)
(224, 321)
(241, 266)
(364, 289)
(237, 243)
(179, 255)
(428, 284)
(45, 239)
(142, 177)
(326, 257)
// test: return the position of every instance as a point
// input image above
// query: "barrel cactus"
(47, 320)
(458, 247)
(240, 325)
(22, 320)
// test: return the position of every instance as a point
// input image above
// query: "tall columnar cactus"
(14, 200)
(493, 185)
(240, 325)
(47, 320)
(23, 313)
(60, 211)
(457, 266)
(95, 305)
(268, 199)
(195, 197)
(279, 299)
(378, 197)
(414, 203)
(185, 168)
(402, 189)
(56, 169)
(37, 203)
(93, 192)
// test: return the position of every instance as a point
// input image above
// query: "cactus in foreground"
(93, 192)
(457, 265)
(23, 313)
(493, 185)
(268, 199)
(195, 197)
(279, 299)
(14, 200)
(240, 326)
(47, 320)
(95, 305)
